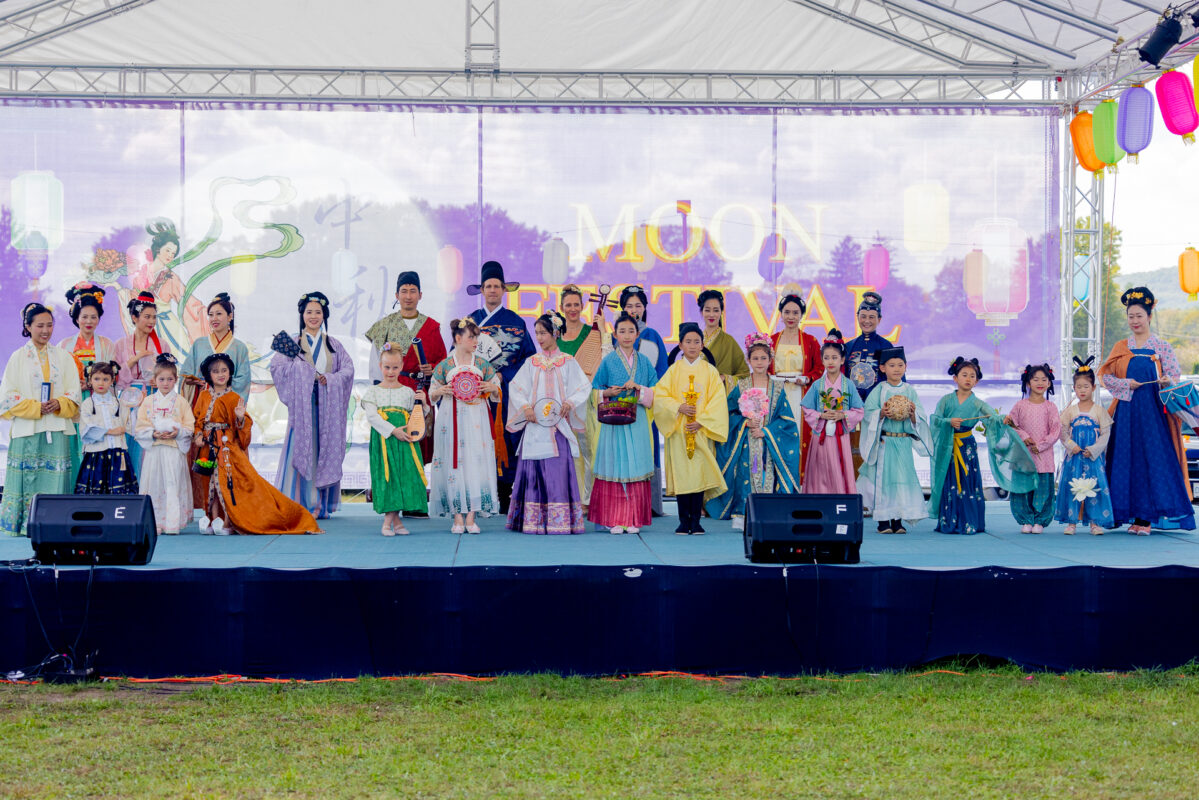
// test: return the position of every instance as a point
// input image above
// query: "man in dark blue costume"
(861, 356)
(511, 336)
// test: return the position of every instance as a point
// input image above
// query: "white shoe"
(738, 523)
(632, 530)
(218, 528)
(206, 526)
(616, 529)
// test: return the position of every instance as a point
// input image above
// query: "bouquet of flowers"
(830, 402)
(753, 405)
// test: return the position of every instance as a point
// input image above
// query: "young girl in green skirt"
(398, 481)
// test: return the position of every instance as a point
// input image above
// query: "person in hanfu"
(894, 429)
(957, 501)
(40, 394)
(832, 408)
(571, 302)
(220, 339)
(691, 408)
(85, 305)
(137, 355)
(1146, 462)
(624, 462)
(861, 358)
(508, 331)
(797, 361)
(314, 380)
(635, 302)
(402, 328)
(729, 360)
(761, 454)
(547, 399)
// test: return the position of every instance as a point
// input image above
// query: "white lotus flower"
(1083, 488)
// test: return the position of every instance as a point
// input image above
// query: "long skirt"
(106, 472)
(321, 501)
(463, 478)
(623, 504)
(1095, 510)
(35, 466)
(166, 478)
(1035, 507)
(397, 471)
(545, 494)
(963, 510)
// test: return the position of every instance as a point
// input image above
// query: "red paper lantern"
(876, 267)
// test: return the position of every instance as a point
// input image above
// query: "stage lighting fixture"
(1167, 34)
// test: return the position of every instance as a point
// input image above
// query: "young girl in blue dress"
(1082, 495)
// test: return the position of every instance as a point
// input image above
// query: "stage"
(352, 602)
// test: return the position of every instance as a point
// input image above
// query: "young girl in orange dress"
(239, 499)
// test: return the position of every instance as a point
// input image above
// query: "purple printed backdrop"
(343, 200)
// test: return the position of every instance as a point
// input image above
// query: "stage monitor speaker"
(804, 528)
(82, 528)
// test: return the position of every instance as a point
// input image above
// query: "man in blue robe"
(507, 329)
(861, 358)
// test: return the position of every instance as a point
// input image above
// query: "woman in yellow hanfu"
(691, 410)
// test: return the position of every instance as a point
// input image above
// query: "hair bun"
(166, 358)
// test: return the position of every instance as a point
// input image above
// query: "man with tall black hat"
(507, 329)
(861, 357)
(402, 328)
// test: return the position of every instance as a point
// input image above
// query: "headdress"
(871, 301)
(84, 294)
(757, 339)
(1083, 366)
(140, 303)
(833, 339)
(313, 297)
(166, 358)
(961, 361)
(888, 353)
(1138, 296)
(489, 270)
(793, 297)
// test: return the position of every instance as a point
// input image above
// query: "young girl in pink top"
(1039, 426)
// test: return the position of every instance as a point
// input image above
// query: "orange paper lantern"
(1083, 137)
(1188, 273)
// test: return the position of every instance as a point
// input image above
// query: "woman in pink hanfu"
(832, 408)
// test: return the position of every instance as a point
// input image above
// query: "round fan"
(466, 384)
(548, 411)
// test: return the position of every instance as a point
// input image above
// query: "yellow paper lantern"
(243, 278)
(1188, 273)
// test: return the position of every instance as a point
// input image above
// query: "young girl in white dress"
(165, 424)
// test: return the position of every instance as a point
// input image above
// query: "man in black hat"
(861, 358)
(402, 328)
(507, 329)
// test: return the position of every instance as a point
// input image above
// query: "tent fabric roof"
(617, 35)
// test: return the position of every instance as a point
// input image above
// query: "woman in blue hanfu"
(761, 453)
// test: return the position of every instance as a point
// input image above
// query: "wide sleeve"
(738, 367)
(520, 394)
(667, 401)
(872, 422)
(240, 382)
(812, 363)
(1169, 361)
(782, 437)
(293, 379)
(241, 432)
(1119, 388)
(191, 363)
(659, 364)
(1105, 429)
(575, 385)
(1065, 424)
(370, 407)
(143, 428)
(1012, 465)
(857, 409)
(599, 381)
(13, 401)
(1053, 425)
(810, 405)
(340, 382)
(91, 427)
(187, 424)
(713, 413)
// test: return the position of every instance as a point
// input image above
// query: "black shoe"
(897, 526)
(696, 528)
(683, 528)
(885, 527)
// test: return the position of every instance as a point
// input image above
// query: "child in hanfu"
(1038, 424)
(832, 408)
(957, 500)
(1082, 494)
(894, 429)
(762, 451)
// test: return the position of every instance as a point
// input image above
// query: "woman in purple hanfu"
(315, 385)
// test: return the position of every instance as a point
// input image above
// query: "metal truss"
(1012, 87)
(1122, 67)
(922, 32)
(42, 21)
(1082, 257)
(482, 34)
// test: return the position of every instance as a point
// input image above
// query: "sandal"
(387, 529)
(1096, 530)
(399, 530)
(1069, 530)
(458, 529)
(473, 528)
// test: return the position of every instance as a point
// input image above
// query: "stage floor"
(352, 540)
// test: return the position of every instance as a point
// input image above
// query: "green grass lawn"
(987, 733)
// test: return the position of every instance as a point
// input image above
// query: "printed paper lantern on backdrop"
(449, 269)
(1188, 273)
(1134, 121)
(344, 273)
(1177, 102)
(1103, 132)
(641, 245)
(997, 283)
(775, 244)
(243, 278)
(34, 255)
(1082, 281)
(925, 218)
(876, 267)
(555, 262)
(37, 208)
(1084, 143)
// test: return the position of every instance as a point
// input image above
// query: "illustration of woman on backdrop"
(178, 326)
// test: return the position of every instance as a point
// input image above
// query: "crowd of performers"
(576, 423)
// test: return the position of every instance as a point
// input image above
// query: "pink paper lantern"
(876, 268)
(1177, 102)
(449, 269)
